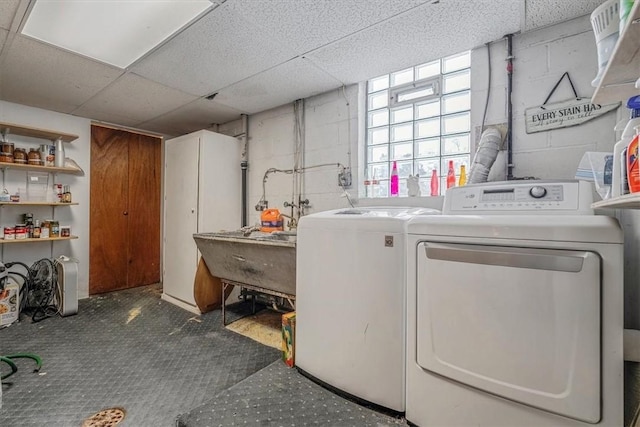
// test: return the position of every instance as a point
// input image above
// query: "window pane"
(456, 123)
(402, 132)
(428, 128)
(379, 153)
(402, 77)
(379, 83)
(456, 62)
(379, 170)
(428, 70)
(455, 144)
(416, 93)
(405, 168)
(428, 147)
(428, 109)
(403, 190)
(425, 167)
(378, 100)
(403, 114)
(378, 136)
(457, 81)
(455, 103)
(378, 118)
(402, 151)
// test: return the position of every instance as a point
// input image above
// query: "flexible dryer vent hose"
(486, 154)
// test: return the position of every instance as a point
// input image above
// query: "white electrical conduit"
(486, 154)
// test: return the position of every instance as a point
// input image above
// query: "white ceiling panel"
(309, 24)
(541, 13)
(112, 116)
(7, 12)
(137, 98)
(220, 49)
(42, 76)
(425, 33)
(295, 79)
(197, 115)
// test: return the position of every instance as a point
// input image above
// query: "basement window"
(420, 118)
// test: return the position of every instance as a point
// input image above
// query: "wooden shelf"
(50, 239)
(28, 203)
(628, 201)
(623, 69)
(52, 135)
(49, 169)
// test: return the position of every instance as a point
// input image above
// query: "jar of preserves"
(20, 156)
(7, 147)
(6, 157)
(34, 157)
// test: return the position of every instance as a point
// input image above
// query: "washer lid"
(560, 228)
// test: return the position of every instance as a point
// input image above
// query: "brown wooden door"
(125, 210)
(145, 169)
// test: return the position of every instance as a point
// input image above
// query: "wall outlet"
(344, 178)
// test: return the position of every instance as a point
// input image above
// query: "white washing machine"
(350, 301)
(515, 309)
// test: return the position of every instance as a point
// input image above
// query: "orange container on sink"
(271, 220)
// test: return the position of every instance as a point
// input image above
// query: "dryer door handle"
(539, 259)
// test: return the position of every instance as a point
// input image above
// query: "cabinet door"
(108, 213)
(180, 218)
(144, 191)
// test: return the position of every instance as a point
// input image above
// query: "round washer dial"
(538, 192)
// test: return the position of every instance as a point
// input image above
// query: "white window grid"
(419, 117)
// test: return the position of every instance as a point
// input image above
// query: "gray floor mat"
(156, 364)
(280, 396)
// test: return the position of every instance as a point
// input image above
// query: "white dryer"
(350, 301)
(515, 309)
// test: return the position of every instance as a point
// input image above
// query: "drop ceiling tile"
(113, 117)
(541, 13)
(218, 50)
(197, 115)
(295, 79)
(423, 34)
(137, 98)
(8, 10)
(42, 76)
(309, 24)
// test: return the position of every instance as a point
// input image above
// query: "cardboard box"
(9, 303)
(289, 338)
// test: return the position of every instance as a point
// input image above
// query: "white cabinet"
(202, 193)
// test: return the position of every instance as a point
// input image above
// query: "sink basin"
(265, 260)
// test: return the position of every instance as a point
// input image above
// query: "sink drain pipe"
(509, 106)
(244, 165)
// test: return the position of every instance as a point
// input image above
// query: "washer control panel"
(520, 196)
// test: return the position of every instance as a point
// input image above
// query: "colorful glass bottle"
(463, 176)
(451, 175)
(434, 183)
(394, 180)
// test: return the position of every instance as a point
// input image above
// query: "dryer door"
(520, 323)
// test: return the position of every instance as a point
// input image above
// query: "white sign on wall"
(564, 114)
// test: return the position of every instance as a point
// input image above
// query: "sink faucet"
(293, 223)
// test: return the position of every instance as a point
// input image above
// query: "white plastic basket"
(605, 21)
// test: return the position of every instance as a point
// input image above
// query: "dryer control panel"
(509, 197)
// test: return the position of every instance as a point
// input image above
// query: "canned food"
(21, 232)
(20, 155)
(7, 147)
(9, 233)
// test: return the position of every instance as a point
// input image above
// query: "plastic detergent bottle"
(619, 175)
(434, 183)
(633, 168)
(451, 175)
(394, 180)
(271, 220)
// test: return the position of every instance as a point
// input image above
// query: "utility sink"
(265, 260)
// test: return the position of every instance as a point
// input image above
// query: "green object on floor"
(14, 368)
